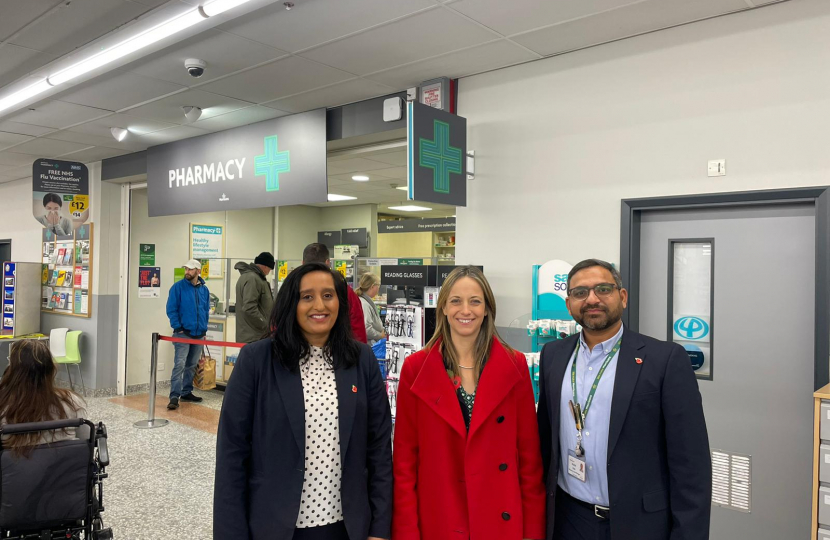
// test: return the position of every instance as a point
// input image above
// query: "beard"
(599, 321)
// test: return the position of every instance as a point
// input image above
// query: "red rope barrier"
(202, 342)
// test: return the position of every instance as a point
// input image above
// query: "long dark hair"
(28, 393)
(289, 345)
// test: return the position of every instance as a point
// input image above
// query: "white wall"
(17, 221)
(560, 142)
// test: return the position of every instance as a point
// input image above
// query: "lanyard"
(593, 391)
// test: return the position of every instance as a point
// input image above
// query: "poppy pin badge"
(638, 360)
(354, 389)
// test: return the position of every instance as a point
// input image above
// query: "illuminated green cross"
(439, 156)
(271, 164)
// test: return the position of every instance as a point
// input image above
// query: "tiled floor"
(161, 480)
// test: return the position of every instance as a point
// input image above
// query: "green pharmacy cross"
(271, 164)
(439, 156)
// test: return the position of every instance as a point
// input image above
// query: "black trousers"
(335, 531)
(573, 521)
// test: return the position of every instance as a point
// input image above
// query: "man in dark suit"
(624, 444)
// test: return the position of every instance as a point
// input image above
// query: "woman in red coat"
(466, 461)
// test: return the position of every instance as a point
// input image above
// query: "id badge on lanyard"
(576, 457)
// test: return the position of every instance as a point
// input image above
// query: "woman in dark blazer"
(304, 443)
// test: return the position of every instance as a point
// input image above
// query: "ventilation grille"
(732, 481)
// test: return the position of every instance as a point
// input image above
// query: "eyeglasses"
(602, 290)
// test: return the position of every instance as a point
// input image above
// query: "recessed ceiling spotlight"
(360, 178)
(410, 208)
(333, 197)
(288, 5)
(119, 134)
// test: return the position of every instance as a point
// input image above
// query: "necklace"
(466, 367)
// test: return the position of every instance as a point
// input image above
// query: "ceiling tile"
(169, 109)
(398, 173)
(48, 148)
(397, 159)
(313, 23)
(10, 139)
(373, 177)
(24, 129)
(170, 135)
(415, 38)
(130, 144)
(57, 114)
(94, 154)
(242, 117)
(115, 92)
(347, 166)
(13, 159)
(76, 23)
(224, 53)
(19, 13)
(278, 79)
(624, 22)
(338, 94)
(515, 16)
(134, 124)
(456, 64)
(15, 62)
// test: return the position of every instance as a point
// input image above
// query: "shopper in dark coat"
(253, 298)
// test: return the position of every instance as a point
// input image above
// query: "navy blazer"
(659, 465)
(260, 449)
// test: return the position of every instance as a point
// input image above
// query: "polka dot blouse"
(320, 503)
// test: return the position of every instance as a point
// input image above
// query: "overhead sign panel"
(436, 155)
(272, 163)
(417, 225)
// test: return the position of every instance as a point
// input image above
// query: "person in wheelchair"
(52, 461)
(28, 394)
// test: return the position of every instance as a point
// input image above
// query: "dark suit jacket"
(659, 466)
(260, 449)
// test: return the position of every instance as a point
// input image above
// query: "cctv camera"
(192, 113)
(195, 67)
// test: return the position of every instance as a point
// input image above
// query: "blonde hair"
(367, 281)
(484, 341)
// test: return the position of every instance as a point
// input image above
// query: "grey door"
(759, 401)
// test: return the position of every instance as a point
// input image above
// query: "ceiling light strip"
(120, 50)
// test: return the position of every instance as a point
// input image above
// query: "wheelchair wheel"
(104, 534)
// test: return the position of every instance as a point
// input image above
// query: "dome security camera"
(192, 113)
(195, 67)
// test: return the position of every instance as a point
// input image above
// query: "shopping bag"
(205, 378)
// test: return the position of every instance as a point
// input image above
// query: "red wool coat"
(451, 485)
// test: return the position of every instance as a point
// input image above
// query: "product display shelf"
(820, 523)
(66, 272)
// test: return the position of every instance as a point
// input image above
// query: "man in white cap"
(188, 306)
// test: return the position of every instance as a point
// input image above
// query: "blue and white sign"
(696, 356)
(691, 328)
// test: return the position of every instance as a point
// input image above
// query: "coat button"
(503, 467)
(500, 419)
(505, 516)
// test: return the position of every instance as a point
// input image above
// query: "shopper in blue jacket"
(188, 305)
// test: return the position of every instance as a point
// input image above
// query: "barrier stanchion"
(152, 421)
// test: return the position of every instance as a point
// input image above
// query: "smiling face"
(465, 308)
(317, 307)
(596, 311)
